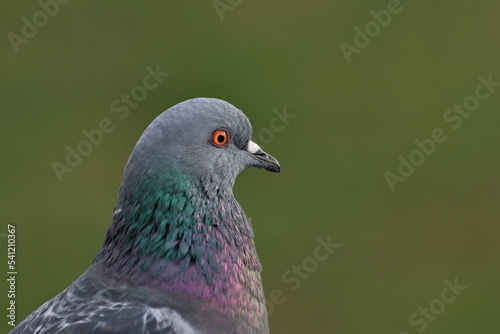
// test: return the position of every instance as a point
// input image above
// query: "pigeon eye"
(220, 137)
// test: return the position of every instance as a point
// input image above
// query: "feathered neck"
(186, 236)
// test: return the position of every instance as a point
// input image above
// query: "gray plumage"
(179, 256)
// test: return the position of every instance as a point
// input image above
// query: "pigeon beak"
(262, 159)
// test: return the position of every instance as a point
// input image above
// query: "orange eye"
(220, 137)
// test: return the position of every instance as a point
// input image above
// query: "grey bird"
(179, 256)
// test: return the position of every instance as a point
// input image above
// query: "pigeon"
(179, 256)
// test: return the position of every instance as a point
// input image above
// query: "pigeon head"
(203, 137)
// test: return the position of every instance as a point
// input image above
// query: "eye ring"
(220, 137)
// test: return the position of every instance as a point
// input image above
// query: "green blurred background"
(352, 121)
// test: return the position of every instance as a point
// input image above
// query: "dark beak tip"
(268, 162)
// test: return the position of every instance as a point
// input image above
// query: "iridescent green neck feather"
(189, 237)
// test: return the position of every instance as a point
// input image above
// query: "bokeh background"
(352, 122)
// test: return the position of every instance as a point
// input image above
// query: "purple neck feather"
(190, 239)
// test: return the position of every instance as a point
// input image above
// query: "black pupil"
(220, 138)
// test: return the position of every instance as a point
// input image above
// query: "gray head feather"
(180, 138)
